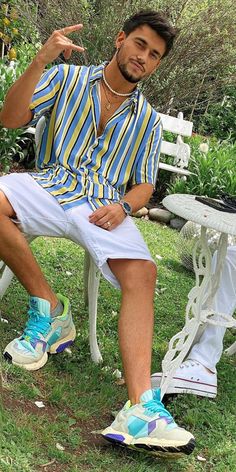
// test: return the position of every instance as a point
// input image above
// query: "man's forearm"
(139, 196)
(16, 112)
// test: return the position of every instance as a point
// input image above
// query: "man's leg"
(49, 327)
(143, 423)
(137, 280)
(16, 253)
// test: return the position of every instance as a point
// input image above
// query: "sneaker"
(190, 377)
(149, 426)
(42, 334)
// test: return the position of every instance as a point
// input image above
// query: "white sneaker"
(190, 377)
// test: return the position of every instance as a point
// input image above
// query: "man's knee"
(134, 273)
(5, 206)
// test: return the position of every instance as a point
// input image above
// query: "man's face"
(139, 53)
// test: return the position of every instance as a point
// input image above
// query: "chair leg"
(86, 276)
(92, 287)
(5, 280)
(231, 349)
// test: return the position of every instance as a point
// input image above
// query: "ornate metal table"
(207, 283)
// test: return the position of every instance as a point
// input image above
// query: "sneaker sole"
(187, 386)
(125, 440)
(62, 344)
(56, 348)
(34, 366)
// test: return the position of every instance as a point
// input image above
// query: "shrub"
(213, 172)
(8, 74)
(220, 119)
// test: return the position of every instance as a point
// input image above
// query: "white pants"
(39, 214)
(209, 348)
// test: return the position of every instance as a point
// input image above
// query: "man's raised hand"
(57, 43)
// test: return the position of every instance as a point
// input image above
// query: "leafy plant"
(9, 147)
(9, 29)
(15, 29)
(8, 137)
(213, 172)
(8, 74)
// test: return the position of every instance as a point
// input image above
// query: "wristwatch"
(126, 207)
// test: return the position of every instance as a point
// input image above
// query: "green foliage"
(220, 117)
(15, 29)
(8, 137)
(9, 147)
(9, 29)
(8, 74)
(213, 172)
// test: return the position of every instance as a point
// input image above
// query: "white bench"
(181, 153)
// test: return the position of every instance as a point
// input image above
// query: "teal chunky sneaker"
(149, 426)
(41, 335)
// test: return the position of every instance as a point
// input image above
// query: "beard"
(123, 69)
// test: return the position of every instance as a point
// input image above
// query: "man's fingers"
(67, 53)
(97, 214)
(70, 29)
(72, 47)
(101, 221)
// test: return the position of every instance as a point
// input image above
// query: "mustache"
(139, 62)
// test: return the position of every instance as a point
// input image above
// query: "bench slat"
(170, 149)
(176, 170)
(176, 126)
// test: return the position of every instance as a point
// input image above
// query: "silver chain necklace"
(113, 91)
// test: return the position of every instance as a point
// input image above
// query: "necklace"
(108, 104)
(113, 91)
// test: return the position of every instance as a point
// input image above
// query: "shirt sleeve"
(46, 93)
(147, 165)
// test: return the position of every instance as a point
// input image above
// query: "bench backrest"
(180, 151)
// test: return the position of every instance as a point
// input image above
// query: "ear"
(120, 39)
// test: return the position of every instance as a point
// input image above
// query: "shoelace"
(156, 406)
(35, 326)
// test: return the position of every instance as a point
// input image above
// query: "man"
(197, 374)
(100, 134)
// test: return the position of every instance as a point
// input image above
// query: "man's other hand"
(108, 217)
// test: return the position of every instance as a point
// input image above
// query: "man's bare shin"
(137, 279)
(135, 339)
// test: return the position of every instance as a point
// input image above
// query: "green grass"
(80, 397)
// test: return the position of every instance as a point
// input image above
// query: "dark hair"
(155, 20)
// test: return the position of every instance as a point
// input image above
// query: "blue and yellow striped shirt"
(75, 164)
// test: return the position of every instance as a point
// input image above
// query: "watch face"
(127, 207)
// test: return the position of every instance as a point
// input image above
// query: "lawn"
(81, 398)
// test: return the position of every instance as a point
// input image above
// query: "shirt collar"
(96, 74)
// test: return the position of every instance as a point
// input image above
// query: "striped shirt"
(75, 164)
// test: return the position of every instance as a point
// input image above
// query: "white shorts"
(39, 214)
